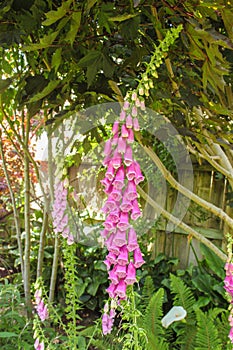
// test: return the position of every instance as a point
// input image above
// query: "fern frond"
(147, 292)
(207, 337)
(183, 296)
(153, 314)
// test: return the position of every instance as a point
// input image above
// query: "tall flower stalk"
(122, 176)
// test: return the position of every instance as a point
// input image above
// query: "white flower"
(176, 313)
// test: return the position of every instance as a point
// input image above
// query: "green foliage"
(207, 337)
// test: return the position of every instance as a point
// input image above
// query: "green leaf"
(122, 18)
(46, 91)
(56, 59)
(89, 59)
(45, 42)
(54, 16)
(8, 335)
(74, 27)
(215, 263)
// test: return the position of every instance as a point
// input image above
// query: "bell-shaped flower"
(126, 205)
(121, 146)
(110, 225)
(123, 223)
(108, 147)
(130, 138)
(126, 105)
(115, 139)
(38, 295)
(114, 249)
(131, 191)
(122, 115)
(106, 183)
(110, 173)
(121, 271)
(131, 274)
(130, 172)
(138, 102)
(136, 126)
(177, 313)
(38, 345)
(134, 96)
(114, 216)
(111, 290)
(123, 256)
(128, 156)
(116, 159)
(112, 258)
(118, 183)
(109, 240)
(134, 112)
(112, 275)
(124, 131)
(120, 238)
(121, 289)
(42, 311)
(115, 127)
(136, 212)
(132, 240)
(229, 269)
(138, 259)
(143, 107)
(109, 205)
(70, 239)
(107, 263)
(138, 177)
(129, 122)
(116, 194)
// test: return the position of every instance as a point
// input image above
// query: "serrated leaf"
(90, 58)
(74, 27)
(54, 16)
(45, 42)
(122, 18)
(46, 91)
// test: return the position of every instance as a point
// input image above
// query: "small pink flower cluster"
(122, 176)
(41, 308)
(228, 285)
(38, 345)
(60, 218)
(108, 317)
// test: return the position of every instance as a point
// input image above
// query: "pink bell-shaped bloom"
(132, 240)
(115, 139)
(115, 127)
(109, 189)
(38, 345)
(38, 295)
(136, 126)
(116, 194)
(107, 263)
(131, 172)
(112, 275)
(119, 178)
(110, 173)
(126, 105)
(136, 212)
(138, 177)
(104, 233)
(111, 290)
(123, 256)
(134, 112)
(130, 138)
(121, 271)
(112, 258)
(122, 115)
(131, 274)
(131, 191)
(107, 160)
(129, 122)
(109, 205)
(121, 147)
(123, 223)
(124, 131)
(114, 216)
(143, 107)
(126, 205)
(109, 225)
(114, 249)
(109, 240)
(121, 289)
(231, 335)
(108, 147)
(138, 102)
(229, 269)
(42, 311)
(106, 183)
(134, 96)
(107, 324)
(70, 239)
(120, 238)
(138, 259)
(116, 159)
(128, 156)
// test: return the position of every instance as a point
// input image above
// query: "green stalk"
(42, 244)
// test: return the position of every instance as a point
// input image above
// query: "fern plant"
(207, 335)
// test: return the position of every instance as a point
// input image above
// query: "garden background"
(66, 69)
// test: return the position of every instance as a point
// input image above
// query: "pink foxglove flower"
(38, 345)
(121, 208)
(42, 311)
